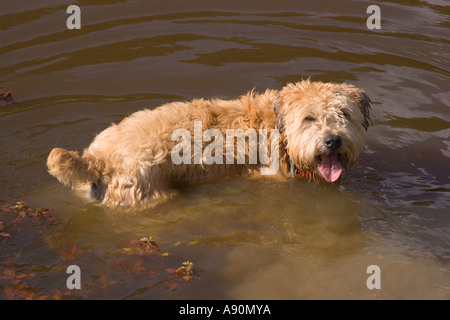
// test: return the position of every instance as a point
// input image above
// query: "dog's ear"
(364, 105)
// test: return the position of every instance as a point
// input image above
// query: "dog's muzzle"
(330, 166)
(332, 142)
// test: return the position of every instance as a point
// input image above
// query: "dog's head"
(323, 126)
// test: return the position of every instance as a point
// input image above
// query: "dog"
(321, 130)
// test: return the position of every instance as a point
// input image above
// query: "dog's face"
(323, 126)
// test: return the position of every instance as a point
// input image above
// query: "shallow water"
(247, 239)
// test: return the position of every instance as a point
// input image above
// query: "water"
(247, 239)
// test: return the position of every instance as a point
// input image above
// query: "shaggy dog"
(321, 130)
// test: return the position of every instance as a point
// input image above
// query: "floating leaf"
(187, 263)
(186, 271)
(169, 270)
(71, 253)
(21, 206)
(21, 211)
(6, 96)
(172, 286)
(146, 245)
(43, 213)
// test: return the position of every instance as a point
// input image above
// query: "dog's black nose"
(332, 142)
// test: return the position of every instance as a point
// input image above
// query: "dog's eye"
(310, 119)
(346, 114)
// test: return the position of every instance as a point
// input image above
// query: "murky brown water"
(247, 239)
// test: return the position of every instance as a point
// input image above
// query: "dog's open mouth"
(329, 166)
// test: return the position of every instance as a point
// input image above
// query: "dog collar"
(295, 171)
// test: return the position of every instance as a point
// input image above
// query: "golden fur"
(129, 164)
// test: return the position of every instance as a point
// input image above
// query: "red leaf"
(171, 270)
(72, 253)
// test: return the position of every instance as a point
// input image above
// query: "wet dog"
(320, 131)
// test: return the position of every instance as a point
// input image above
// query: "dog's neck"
(285, 163)
(289, 166)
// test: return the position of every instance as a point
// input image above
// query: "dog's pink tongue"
(330, 167)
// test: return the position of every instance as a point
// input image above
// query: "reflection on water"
(247, 239)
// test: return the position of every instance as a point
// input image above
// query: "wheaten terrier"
(314, 130)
